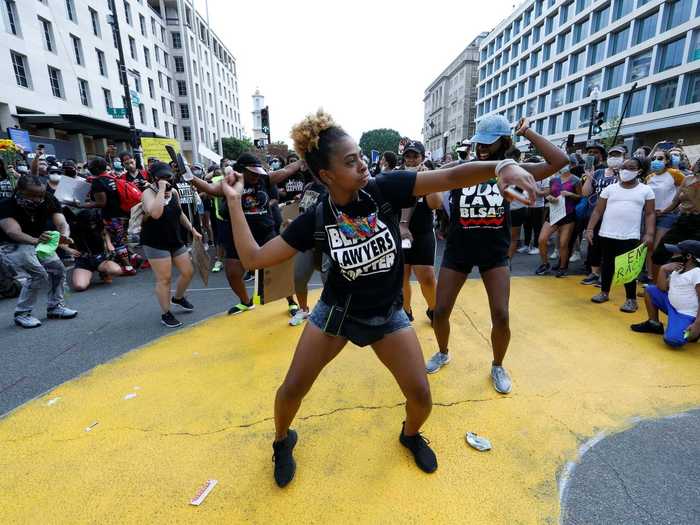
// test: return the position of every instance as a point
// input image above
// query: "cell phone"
(517, 193)
(590, 162)
(336, 318)
(177, 159)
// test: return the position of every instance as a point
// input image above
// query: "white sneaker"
(436, 362)
(555, 255)
(501, 380)
(299, 317)
(523, 249)
(534, 251)
(575, 257)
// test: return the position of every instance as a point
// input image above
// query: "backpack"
(320, 235)
(129, 194)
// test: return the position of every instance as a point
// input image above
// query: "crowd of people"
(367, 230)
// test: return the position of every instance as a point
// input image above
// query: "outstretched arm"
(283, 174)
(555, 158)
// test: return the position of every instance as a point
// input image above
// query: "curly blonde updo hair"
(314, 138)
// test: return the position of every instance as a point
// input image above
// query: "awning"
(79, 124)
(209, 154)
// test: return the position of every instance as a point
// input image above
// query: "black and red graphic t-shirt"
(479, 218)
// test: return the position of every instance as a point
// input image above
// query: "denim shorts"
(666, 220)
(362, 332)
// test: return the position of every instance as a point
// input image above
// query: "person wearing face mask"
(418, 236)
(55, 174)
(162, 241)
(676, 294)
(69, 169)
(594, 184)
(131, 171)
(621, 206)
(679, 160)
(479, 235)
(22, 227)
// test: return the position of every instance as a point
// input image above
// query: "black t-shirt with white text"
(295, 184)
(312, 192)
(32, 223)
(370, 269)
(255, 202)
(108, 186)
(422, 219)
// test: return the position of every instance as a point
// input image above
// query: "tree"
(381, 139)
(233, 147)
(608, 132)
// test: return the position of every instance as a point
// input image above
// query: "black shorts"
(519, 217)
(224, 236)
(460, 260)
(422, 250)
(89, 262)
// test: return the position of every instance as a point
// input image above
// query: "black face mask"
(27, 204)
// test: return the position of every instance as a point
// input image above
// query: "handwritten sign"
(629, 265)
(557, 210)
(154, 147)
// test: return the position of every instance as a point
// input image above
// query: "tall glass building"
(546, 59)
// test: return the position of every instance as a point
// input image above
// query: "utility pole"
(625, 107)
(594, 109)
(113, 20)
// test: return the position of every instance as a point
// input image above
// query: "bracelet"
(503, 164)
(403, 222)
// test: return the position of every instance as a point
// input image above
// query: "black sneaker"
(648, 327)
(285, 466)
(183, 303)
(249, 276)
(422, 453)
(561, 272)
(430, 313)
(592, 279)
(409, 315)
(543, 269)
(168, 319)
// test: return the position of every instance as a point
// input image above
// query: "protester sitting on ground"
(162, 241)
(22, 229)
(621, 207)
(594, 184)
(92, 250)
(567, 186)
(676, 294)
(687, 226)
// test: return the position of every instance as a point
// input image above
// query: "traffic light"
(265, 120)
(598, 120)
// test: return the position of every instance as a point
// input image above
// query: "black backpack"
(320, 235)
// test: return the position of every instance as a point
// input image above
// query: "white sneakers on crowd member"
(299, 317)
(555, 255)
(436, 362)
(534, 251)
(500, 379)
(523, 249)
(575, 257)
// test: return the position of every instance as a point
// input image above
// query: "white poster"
(71, 190)
(557, 210)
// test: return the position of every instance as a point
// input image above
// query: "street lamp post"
(595, 95)
(113, 20)
(445, 136)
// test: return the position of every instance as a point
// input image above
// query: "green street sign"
(266, 130)
(117, 112)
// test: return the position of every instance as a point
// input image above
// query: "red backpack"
(129, 194)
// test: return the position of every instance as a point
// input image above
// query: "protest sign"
(557, 210)
(276, 282)
(71, 190)
(155, 147)
(290, 211)
(201, 260)
(629, 265)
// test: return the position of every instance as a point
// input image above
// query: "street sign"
(117, 112)
(265, 130)
(135, 99)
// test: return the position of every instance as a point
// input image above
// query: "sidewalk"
(203, 410)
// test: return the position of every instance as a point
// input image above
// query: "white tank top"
(664, 188)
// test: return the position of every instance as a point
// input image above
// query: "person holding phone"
(621, 207)
(479, 235)
(162, 241)
(361, 299)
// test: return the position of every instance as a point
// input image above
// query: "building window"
(596, 52)
(170, 84)
(664, 94)
(101, 62)
(127, 12)
(558, 97)
(566, 125)
(692, 88)
(177, 41)
(614, 75)
(600, 19)
(184, 111)
(186, 133)
(577, 61)
(151, 89)
(142, 25)
(155, 118)
(163, 105)
(677, 13)
(645, 28)
(95, 18)
(108, 98)
(56, 82)
(147, 56)
(165, 59)
(11, 17)
(592, 81)
(157, 53)
(84, 90)
(637, 102)
(622, 7)
(172, 108)
(694, 52)
(179, 64)
(70, 11)
(580, 31)
(132, 48)
(563, 41)
(619, 41)
(142, 113)
(182, 88)
(174, 131)
(77, 50)
(160, 80)
(19, 64)
(671, 54)
(611, 107)
(48, 35)
(640, 65)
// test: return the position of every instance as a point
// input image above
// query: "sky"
(367, 63)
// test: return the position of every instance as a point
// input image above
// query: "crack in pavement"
(478, 331)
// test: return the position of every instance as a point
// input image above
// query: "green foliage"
(233, 147)
(381, 139)
(607, 135)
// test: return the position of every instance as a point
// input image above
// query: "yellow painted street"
(133, 440)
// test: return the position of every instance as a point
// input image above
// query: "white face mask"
(628, 175)
(55, 178)
(615, 162)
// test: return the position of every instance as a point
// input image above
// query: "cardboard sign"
(153, 147)
(290, 211)
(557, 210)
(71, 190)
(276, 282)
(629, 265)
(201, 261)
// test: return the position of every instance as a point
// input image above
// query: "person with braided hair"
(361, 300)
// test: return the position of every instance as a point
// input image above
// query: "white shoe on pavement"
(436, 362)
(299, 317)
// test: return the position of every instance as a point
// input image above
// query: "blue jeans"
(678, 323)
(362, 332)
